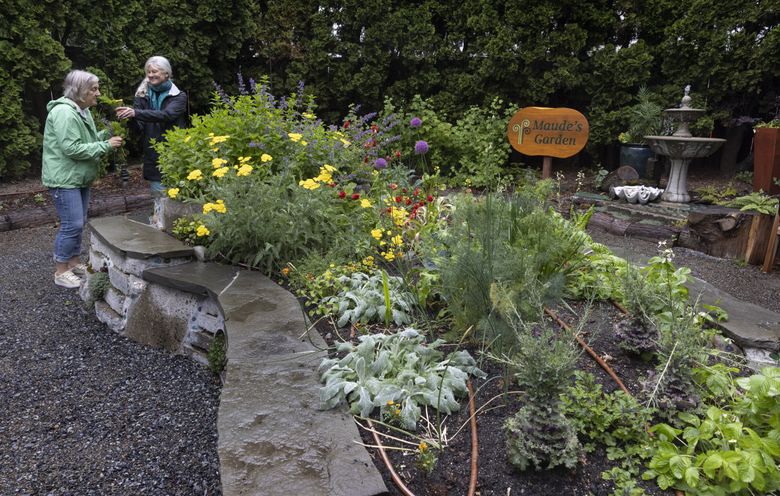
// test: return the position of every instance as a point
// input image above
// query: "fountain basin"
(680, 151)
(680, 147)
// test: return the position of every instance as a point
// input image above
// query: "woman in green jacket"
(72, 149)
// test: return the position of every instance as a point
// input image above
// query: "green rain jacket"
(72, 147)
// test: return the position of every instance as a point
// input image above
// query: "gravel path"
(745, 282)
(85, 411)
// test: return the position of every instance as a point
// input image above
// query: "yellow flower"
(365, 203)
(187, 138)
(345, 142)
(389, 256)
(285, 271)
(218, 162)
(220, 206)
(195, 175)
(217, 139)
(266, 158)
(309, 184)
(324, 177)
(244, 170)
(398, 240)
(369, 260)
(173, 192)
(243, 160)
(295, 136)
(328, 168)
(398, 215)
(423, 447)
(390, 402)
(304, 142)
(307, 115)
(220, 172)
(202, 231)
(376, 233)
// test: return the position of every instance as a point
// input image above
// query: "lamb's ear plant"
(400, 368)
(371, 298)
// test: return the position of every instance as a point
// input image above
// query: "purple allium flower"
(415, 122)
(380, 163)
(421, 147)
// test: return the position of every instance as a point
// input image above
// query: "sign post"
(548, 132)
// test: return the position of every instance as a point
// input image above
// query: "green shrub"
(217, 354)
(99, 285)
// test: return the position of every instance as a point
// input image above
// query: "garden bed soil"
(497, 476)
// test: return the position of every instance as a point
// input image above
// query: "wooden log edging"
(99, 206)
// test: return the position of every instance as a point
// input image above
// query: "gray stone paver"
(273, 438)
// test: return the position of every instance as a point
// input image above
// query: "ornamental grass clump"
(399, 368)
(514, 243)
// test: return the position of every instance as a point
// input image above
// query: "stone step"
(136, 240)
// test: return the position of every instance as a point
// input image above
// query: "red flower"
(421, 203)
(398, 154)
(355, 196)
(398, 199)
(332, 185)
(430, 198)
(404, 190)
(374, 128)
(342, 194)
(393, 186)
(346, 124)
(408, 201)
(416, 191)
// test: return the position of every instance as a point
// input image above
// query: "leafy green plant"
(599, 174)
(613, 420)
(729, 449)
(773, 124)
(185, 229)
(366, 299)
(712, 194)
(637, 333)
(398, 367)
(757, 201)
(217, 354)
(316, 278)
(644, 119)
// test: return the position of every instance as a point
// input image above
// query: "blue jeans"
(72, 205)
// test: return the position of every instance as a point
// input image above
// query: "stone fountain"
(681, 147)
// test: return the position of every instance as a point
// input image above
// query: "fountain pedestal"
(681, 148)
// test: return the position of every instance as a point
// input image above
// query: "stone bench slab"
(137, 240)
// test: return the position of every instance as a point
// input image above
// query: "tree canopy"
(593, 56)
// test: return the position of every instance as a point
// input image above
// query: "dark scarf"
(158, 93)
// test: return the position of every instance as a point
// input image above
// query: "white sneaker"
(79, 270)
(67, 280)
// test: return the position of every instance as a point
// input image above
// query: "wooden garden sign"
(549, 132)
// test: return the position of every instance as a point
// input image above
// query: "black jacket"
(154, 123)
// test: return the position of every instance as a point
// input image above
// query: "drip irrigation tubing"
(474, 450)
(474, 446)
(393, 475)
(590, 351)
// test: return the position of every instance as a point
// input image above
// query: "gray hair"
(160, 63)
(77, 84)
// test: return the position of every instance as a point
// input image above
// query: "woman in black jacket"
(158, 106)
